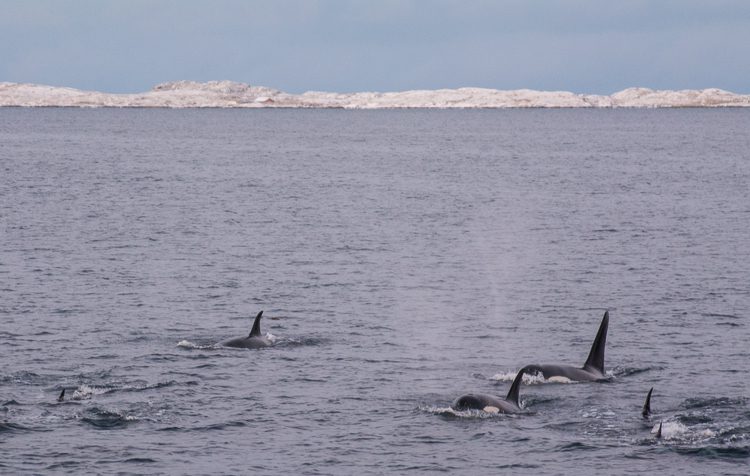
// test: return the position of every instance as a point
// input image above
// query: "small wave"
(168, 383)
(735, 434)
(23, 378)
(694, 419)
(221, 426)
(162, 357)
(730, 324)
(716, 314)
(575, 446)
(171, 428)
(532, 401)
(692, 403)
(6, 426)
(628, 371)
(106, 419)
(598, 414)
(717, 452)
(140, 387)
(139, 460)
(300, 342)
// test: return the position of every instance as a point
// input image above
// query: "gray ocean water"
(402, 258)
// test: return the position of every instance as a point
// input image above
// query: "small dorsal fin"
(647, 406)
(658, 432)
(256, 326)
(62, 396)
(596, 356)
(515, 386)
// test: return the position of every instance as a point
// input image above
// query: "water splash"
(488, 412)
(530, 379)
(186, 344)
(674, 430)
(85, 392)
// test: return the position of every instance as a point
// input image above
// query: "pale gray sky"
(379, 45)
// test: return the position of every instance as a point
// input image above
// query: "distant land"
(230, 94)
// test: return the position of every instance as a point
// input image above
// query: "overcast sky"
(379, 45)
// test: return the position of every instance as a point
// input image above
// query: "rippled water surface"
(402, 258)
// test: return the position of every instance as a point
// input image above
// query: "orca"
(647, 406)
(592, 370)
(62, 396)
(492, 403)
(658, 432)
(253, 341)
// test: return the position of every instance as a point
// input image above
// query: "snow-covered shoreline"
(229, 94)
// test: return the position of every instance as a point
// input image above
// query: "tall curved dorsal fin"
(515, 386)
(596, 356)
(256, 325)
(647, 406)
(62, 396)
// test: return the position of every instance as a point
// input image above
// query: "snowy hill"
(182, 94)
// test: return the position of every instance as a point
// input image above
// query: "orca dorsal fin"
(62, 396)
(515, 386)
(647, 406)
(658, 433)
(596, 356)
(255, 332)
